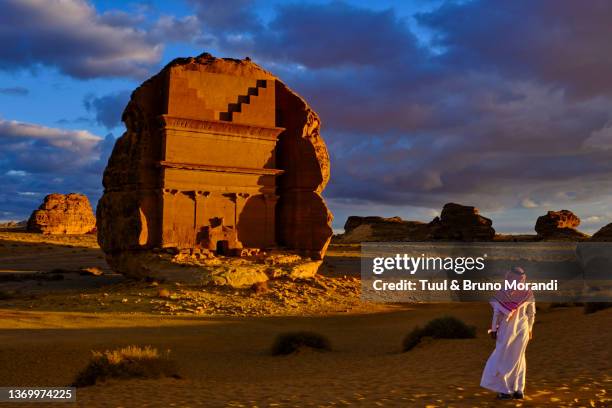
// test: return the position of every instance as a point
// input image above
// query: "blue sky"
(503, 105)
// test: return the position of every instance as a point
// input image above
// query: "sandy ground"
(225, 360)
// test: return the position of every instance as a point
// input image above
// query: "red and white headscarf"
(509, 300)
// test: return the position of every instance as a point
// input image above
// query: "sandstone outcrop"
(63, 214)
(461, 223)
(456, 223)
(219, 156)
(559, 225)
(379, 229)
(604, 234)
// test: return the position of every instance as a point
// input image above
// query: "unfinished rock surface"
(63, 214)
(461, 223)
(379, 229)
(219, 155)
(559, 225)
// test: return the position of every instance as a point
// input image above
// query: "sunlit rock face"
(219, 157)
(63, 214)
(559, 225)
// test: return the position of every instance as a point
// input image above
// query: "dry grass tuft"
(447, 327)
(293, 342)
(125, 363)
(592, 307)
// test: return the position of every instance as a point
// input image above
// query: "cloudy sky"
(503, 105)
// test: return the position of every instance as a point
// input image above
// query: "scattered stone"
(94, 271)
(260, 288)
(559, 225)
(163, 293)
(63, 214)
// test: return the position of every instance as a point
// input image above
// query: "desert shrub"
(556, 305)
(447, 327)
(592, 307)
(125, 363)
(4, 295)
(288, 343)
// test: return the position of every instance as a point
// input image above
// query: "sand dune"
(46, 339)
(225, 361)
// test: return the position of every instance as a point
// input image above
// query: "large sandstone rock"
(379, 229)
(604, 234)
(63, 214)
(221, 155)
(559, 225)
(461, 223)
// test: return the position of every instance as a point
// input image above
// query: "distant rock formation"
(219, 156)
(63, 214)
(461, 223)
(559, 225)
(379, 229)
(604, 234)
(456, 223)
(14, 225)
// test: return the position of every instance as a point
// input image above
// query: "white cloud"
(600, 139)
(77, 141)
(529, 203)
(16, 173)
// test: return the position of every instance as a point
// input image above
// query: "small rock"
(163, 293)
(260, 287)
(94, 271)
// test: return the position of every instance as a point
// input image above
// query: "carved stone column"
(169, 204)
(200, 211)
(270, 230)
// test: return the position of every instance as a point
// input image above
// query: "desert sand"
(49, 327)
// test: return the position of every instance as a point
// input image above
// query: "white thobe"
(506, 367)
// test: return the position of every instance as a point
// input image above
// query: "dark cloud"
(562, 42)
(108, 108)
(336, 34)
(37, 160)
(223, 16)
(506, 106)
(15, 90)
(73, 37)
(172, 29)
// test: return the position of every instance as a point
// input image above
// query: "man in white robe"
(513, 317)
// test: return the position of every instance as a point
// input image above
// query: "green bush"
(126, 363)
(592, 307)
(447, 327)
(288, 343)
